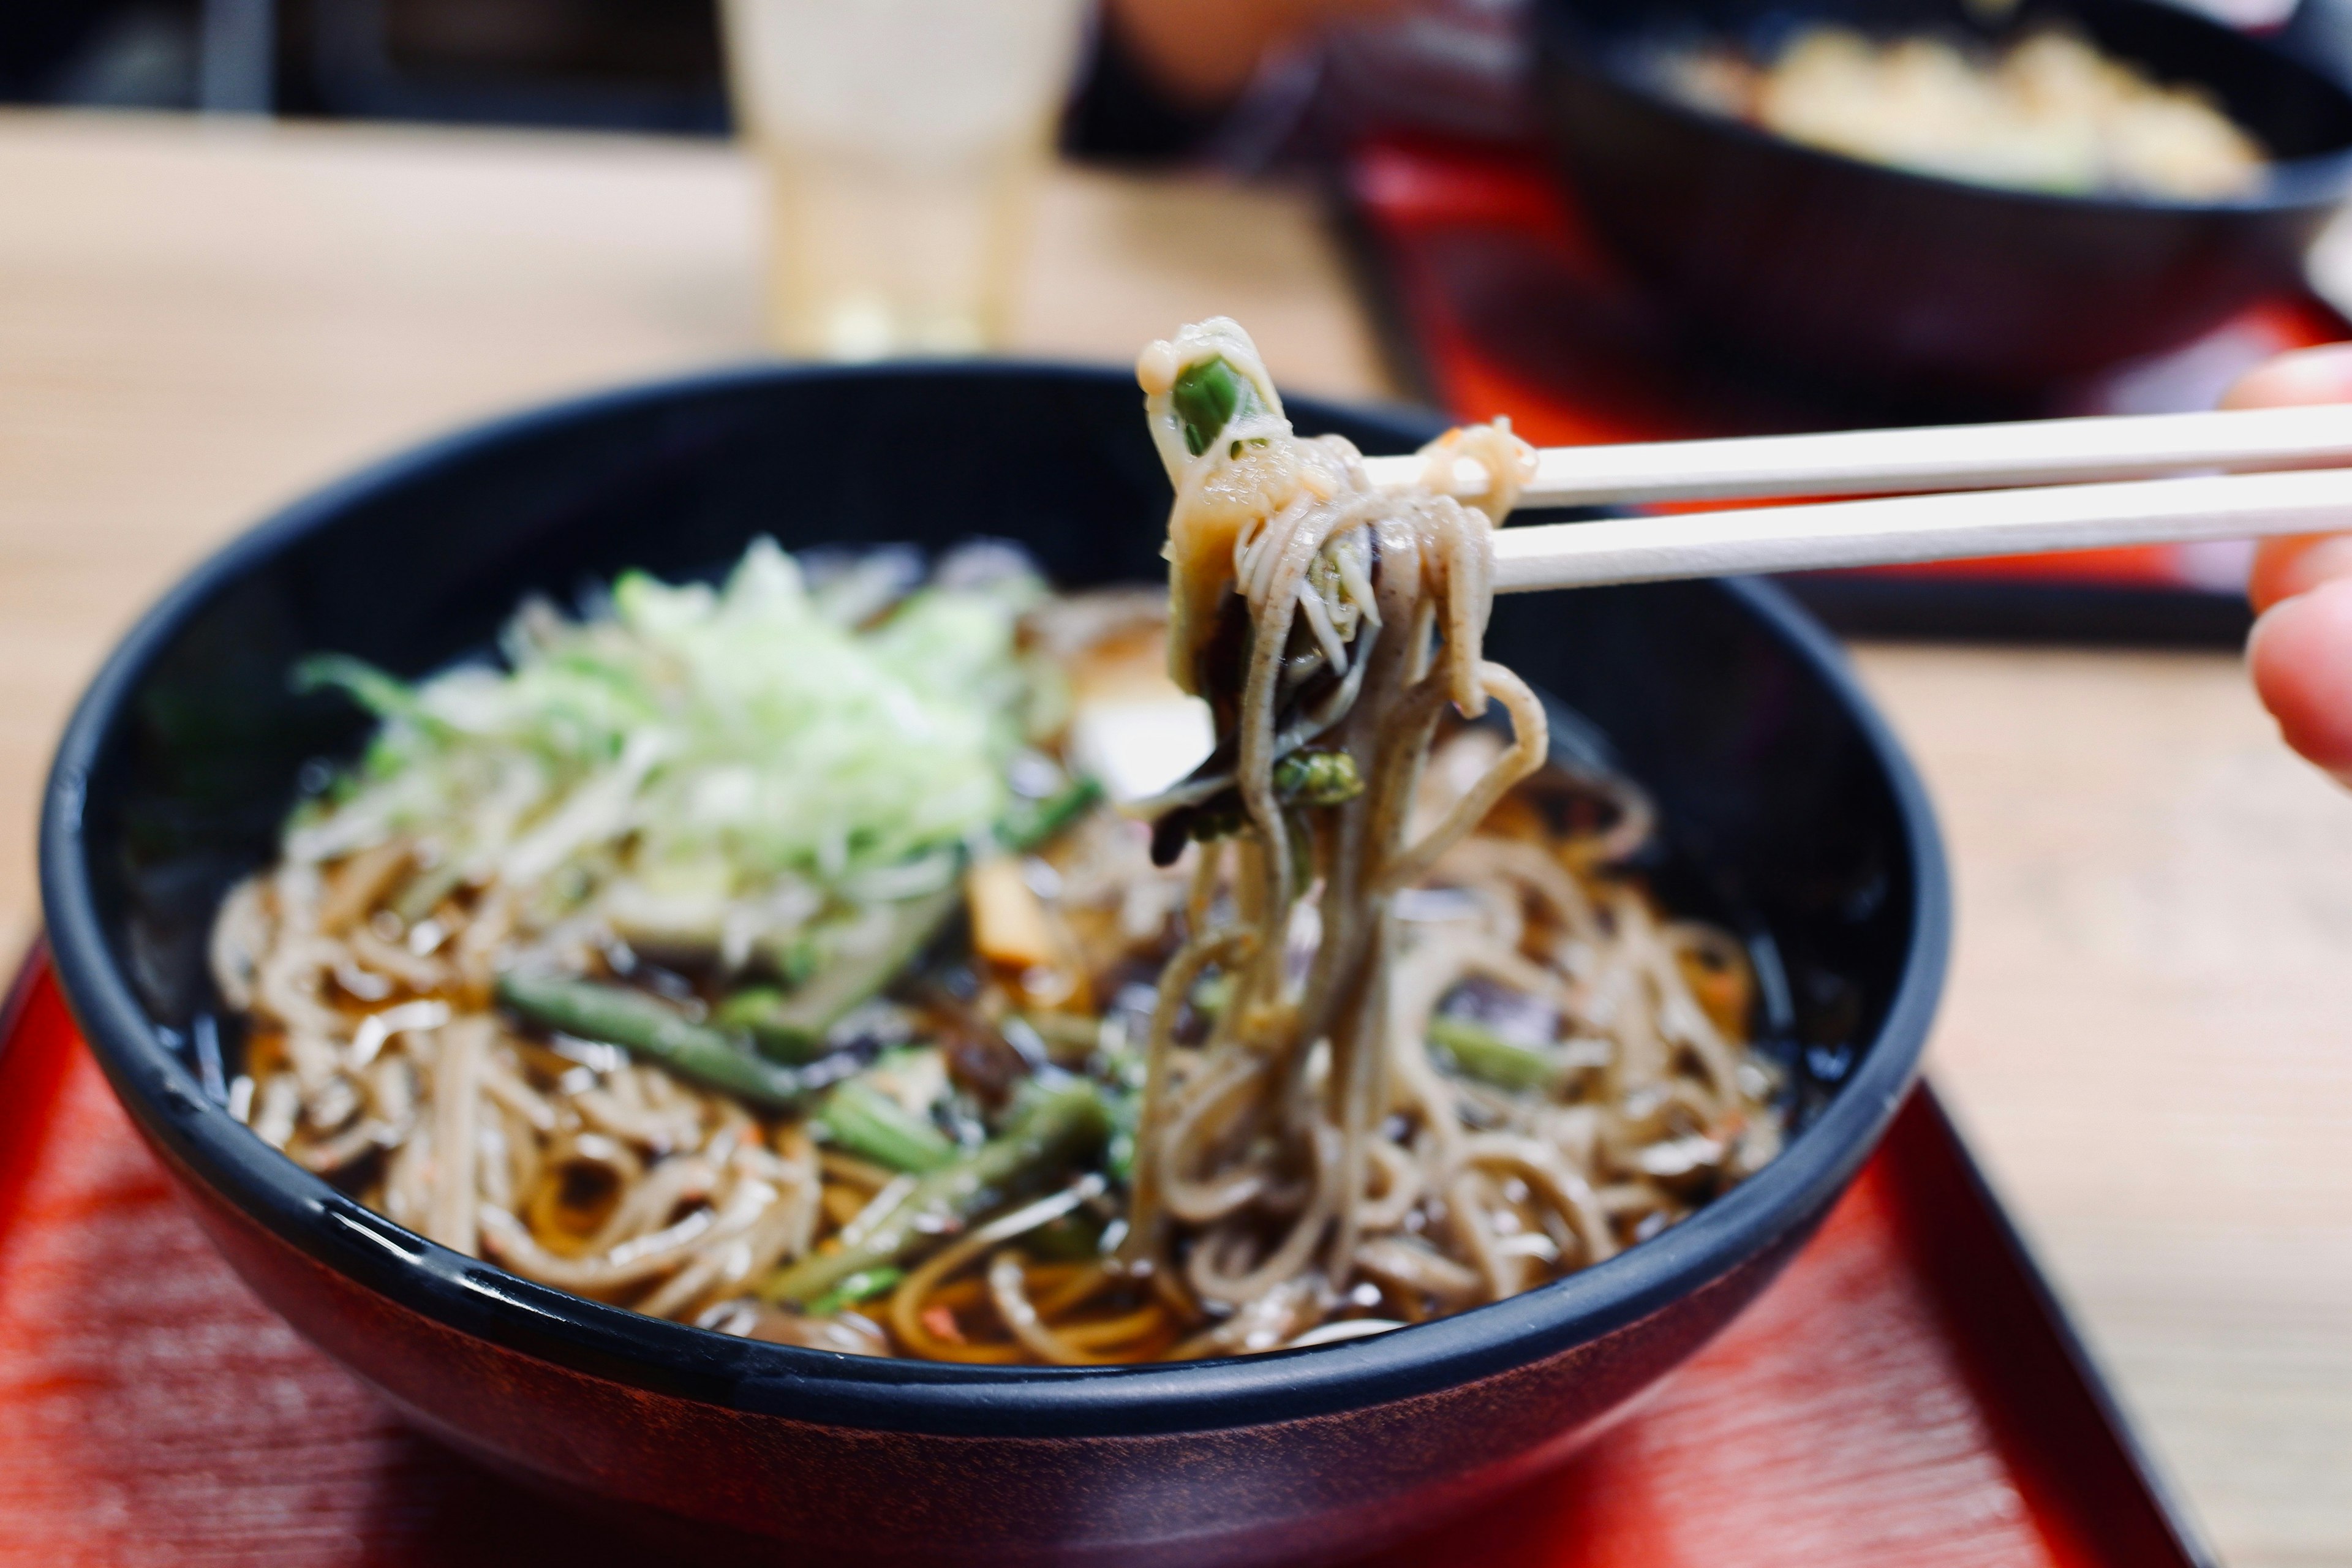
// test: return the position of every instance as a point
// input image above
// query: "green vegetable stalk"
(791, 1024)
(647, 1026)
(1488, 1057)
(1056, 1129)
(869, 1123)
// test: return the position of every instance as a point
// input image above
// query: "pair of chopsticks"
(2006, 490)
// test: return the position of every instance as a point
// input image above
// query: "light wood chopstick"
(2009, 489)
(1940, 457)
(1905, 529)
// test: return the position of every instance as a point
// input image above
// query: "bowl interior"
(2295, 111)
(1790, 805)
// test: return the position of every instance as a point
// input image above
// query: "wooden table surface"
(2148, 1031)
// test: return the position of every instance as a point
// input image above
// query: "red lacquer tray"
(1906, 1396)
(1495, 301)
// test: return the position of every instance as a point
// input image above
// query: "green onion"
(1318, 778)
(385, 696)
(1206, 397)
(648, 1026)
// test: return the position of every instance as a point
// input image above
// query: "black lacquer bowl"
(1868, 274)
(1790, 805)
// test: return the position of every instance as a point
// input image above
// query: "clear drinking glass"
(902, 142)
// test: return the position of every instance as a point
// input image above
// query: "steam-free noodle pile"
(762, 957)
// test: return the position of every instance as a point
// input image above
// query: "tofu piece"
(1009, 925)
(1141, 745)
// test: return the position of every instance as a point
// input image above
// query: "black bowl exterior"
(1870, 274)
(184, 756)
(1275, 1490)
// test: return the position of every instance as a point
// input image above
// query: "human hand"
(1203, 52)
(2300, 650)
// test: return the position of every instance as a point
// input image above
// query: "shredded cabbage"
(689, 749)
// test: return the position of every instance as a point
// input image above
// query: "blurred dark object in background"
(37, 38)
(614, 65)
(623, 64)
(1865, 272)
(635, 65)
(1119, 112)
(1450, 65)
(111, 54)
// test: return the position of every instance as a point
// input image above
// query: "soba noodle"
(1368, 1023)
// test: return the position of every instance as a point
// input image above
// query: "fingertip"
(2301, 659)
(2322, 374)
(2286, 567)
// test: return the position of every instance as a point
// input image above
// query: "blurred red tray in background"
(1905, 1396)
(1498, 301)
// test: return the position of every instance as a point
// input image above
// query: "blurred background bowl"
(1869, 273)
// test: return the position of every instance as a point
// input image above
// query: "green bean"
(763, 1012)
(1206, 397)
(1485, 1055)
(648, 1026)
(1054, 1131)
(868, 1121)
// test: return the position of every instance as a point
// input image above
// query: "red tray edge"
(2051, 1371)
(2117, 1489)
(34, 1084)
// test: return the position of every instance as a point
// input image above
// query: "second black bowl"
(1871, 274)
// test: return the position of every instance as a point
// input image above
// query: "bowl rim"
(673, 1359)
(2314, 181)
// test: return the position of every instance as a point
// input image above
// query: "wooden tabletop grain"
(2149, 1025)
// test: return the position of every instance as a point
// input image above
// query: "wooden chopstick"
(1905, 529)
(1943, 457)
